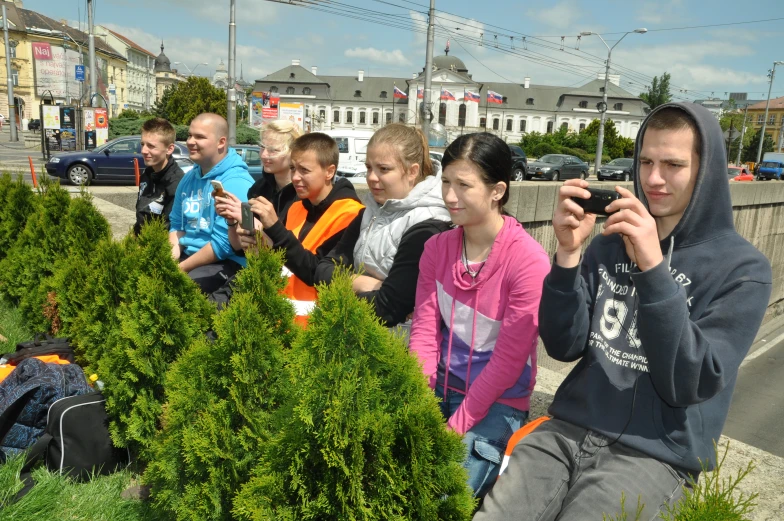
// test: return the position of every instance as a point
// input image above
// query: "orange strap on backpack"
(7, 369)
(517, 437)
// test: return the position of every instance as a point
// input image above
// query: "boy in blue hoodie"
(198, 235)
(650, 313)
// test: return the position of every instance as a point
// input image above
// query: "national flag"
(494, 97)
(420, 93)
(399, 94)
(447, 95)
(472, 96)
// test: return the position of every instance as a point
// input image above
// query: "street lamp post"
(190, 72)
(603, 105)
(11, 105)
(767, 104)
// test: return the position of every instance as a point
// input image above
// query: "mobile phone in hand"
(598, 201)
(217, 189)
(247, 217)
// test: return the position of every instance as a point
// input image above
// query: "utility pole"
(147, 83)
(231, 112)
(91, 51)
(767, 104)
(11, 108)
(742, 133)
(428, 70)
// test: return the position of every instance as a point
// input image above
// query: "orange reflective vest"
(334, 220)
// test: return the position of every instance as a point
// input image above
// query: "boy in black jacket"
(650, 312)
(158, 183)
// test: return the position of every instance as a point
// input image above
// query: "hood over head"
(709, 213)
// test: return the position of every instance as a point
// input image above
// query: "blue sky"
(702, 61)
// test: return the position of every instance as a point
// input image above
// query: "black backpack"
(42, 345)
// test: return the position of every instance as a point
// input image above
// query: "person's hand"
(229, 207)
(248, 239)
(264, 211)
(637, 228)
(571, 223)
(365, 284)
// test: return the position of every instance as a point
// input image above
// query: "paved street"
(755, 415)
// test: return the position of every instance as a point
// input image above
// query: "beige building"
(139, 74)
(775, 123)
(44, 56)
(165, 76)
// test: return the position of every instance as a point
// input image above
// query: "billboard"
(264, 108)
(294, 112)
(55, 72)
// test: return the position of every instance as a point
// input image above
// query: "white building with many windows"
(139, 73)
(363, 102)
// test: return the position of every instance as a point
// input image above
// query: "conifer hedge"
(360, 435)
(220, 396)
(18, 204)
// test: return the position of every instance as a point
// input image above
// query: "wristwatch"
(235, 223)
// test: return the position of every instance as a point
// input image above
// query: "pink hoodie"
(483, 331)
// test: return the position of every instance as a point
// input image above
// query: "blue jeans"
(486, 441)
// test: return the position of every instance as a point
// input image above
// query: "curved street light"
(603, 105)
(190, 72)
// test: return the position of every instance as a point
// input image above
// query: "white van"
(352, 144)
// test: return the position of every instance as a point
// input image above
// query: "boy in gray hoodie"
(650, 312)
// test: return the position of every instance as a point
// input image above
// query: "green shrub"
(545, 148)
(182, 132)
(220, 396)
(18, 205)
(85, 229)
(119, 127)
(247, 135)
(714, 497)
(161, 312)
(360, 435)
(31, 259)
(582, 154)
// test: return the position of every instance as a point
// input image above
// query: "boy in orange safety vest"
(309, 228)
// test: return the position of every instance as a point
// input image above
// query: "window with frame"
(760, 118)
(496, 123)
(618, 106)
(564, 126)
(583, 104)
(582, 127)
(401, 118)
(349, 116)
(388, 118)
(523, 124)
(12, 51)
(772, 119)
(289, 90)
(336, 116)
(15, 76)
(442, 113)
(273, 89)
(461, 115)
(550, 125)
(342, 144)
(322, 114)
(306, 91)
(483, 122)
(509, 124)
(362, 117)
(383, 94)
(529, 101)
(375, 118)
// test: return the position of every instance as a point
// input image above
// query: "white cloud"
(395, 57)
(258, 14)
(560, 16)
(659, 12)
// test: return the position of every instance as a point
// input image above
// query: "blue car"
(251, 154)
(110, 161)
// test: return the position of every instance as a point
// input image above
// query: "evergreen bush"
(31, 258)
(85, 229)
(360, 435)
(543, 149)
(220, 396)
(161, 311)
(16, 207)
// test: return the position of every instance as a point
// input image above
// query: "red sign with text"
(42, 51)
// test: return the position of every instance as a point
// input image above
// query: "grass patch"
(57, 497)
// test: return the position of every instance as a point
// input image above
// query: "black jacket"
(300, 261)
(156, 193)
(266, 187)
(394, 301)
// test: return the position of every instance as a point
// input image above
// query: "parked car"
(251, 154)
(34, 124)
(352, 144)
(111, 161)
(556, 167)
(519, 163)
(185, 164)
(770, 170)
(352, 169)
(739, 173)
(621, 169)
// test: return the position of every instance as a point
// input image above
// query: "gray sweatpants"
(564, 472)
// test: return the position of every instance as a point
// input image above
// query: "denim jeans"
(486, 441)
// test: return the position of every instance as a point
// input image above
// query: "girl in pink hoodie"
(475, 325)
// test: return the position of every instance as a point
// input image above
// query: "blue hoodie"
(659, 350)
(194, 210)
